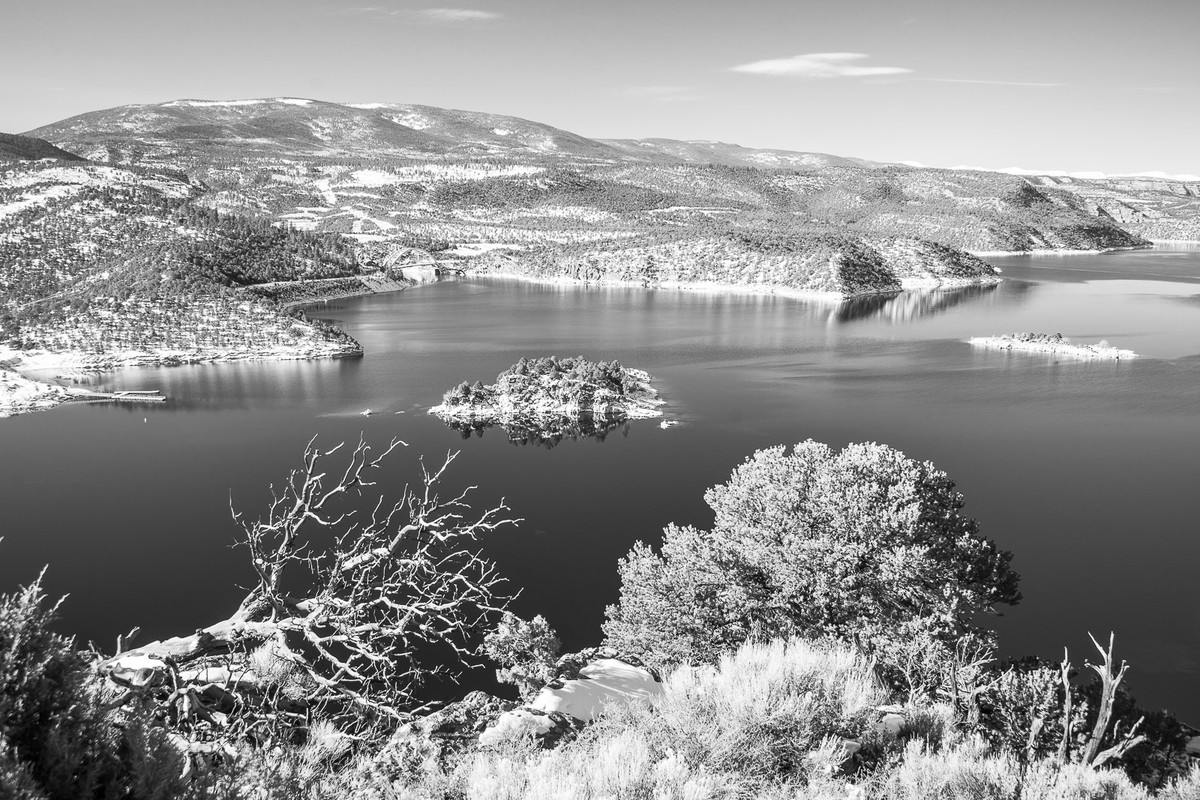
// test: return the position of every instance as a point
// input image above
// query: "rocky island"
(548, 398)
(1053, 344)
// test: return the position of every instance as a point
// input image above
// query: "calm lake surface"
(1086, 471)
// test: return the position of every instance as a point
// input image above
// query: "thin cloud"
(429, 16)
(818, 65)
(456, 15)
(995, 83)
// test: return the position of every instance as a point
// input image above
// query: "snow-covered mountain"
(287, 126)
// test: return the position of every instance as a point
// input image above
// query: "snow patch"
(478, 248)
(502, 132)
(604, 681)
(411, 120)
(372, 177)
(293, 101)
(367, 105)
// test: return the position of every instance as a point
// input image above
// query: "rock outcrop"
(585, 684)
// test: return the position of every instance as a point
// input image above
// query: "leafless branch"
(353, 597)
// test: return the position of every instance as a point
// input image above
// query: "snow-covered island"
(1053, 344)
(547, 398)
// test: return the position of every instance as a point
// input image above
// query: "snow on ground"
(293, 101)
(420, 173)
(206, 103)
(417, 122)
(1055, 346)
(362, 217)
(582, 213)
(41, 198)
(478, 248)
(701, 209)
(322, 129)
(90, 175)
(326, 191)
(19, 394)
(368, 106)
(604, 681)
(502, 132)
(373, 177)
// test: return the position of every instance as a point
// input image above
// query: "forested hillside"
(98, 259)
(25, 148)
(199, 200)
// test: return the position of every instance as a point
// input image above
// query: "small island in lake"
(1053, 344)
(549, 398)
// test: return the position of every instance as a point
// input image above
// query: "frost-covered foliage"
(58, 740)
(525, 650)
(787, 719)
(864, 545)
(1026, 708)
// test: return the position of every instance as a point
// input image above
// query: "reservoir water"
(1086, 471)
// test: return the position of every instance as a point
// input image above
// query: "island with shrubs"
(1054, 344)
(547, 396)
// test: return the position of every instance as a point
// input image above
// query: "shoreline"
(365, 290)
(28, 364)
(25, 388)
(1058, 252)
(747, 289)
(20, 394)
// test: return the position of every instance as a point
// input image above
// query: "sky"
(1074, 85)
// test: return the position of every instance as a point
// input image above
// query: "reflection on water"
(905, 307)
(546, 433)
(1086, 471)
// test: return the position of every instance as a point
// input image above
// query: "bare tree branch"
(355, 599)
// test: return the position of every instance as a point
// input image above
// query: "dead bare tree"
(1108, 691)
(358, 603)
(1091, 754)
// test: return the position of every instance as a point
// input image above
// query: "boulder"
(584, 684)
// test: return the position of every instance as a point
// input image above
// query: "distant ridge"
(731, 155)
(294, 126)
(30, 148)
(299, 126)
(381, 170)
